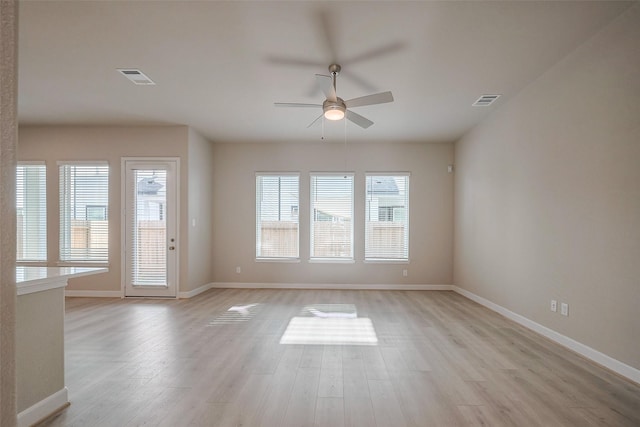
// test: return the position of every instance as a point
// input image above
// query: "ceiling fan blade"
(360, 81)
(374, 53)
(329, 32)
(356, 118)
(314, 122)
(376, 98)
(287, 60)
(295, 104)
(325, 83)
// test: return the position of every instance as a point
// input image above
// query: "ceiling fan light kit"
(335, 108)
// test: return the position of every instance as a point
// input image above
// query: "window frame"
(61, 250)
(260, 258)
(387, 260)
(324, 259)
(43, 198)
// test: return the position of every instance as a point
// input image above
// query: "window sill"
(386, 261)
(282, 260)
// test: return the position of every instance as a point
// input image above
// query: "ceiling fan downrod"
(334, 69)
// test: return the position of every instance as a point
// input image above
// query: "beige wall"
(39, 346)
(547, 199)
(62, 143)
(431, 210)
(218, 192)
(200, 178)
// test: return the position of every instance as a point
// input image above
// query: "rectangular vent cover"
(485, 100)
(136, 76)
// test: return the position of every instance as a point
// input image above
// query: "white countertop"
(35, 279)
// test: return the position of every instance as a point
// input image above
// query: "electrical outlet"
(238, 270)
(405, 273)
(554, 305)
(564, 309)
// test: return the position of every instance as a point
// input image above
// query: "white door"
(150, 232)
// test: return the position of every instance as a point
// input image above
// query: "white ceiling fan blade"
(374, 53)
(295, 104)
(287, 60)
(356, 118)
(325, 83)
(314, 122)
(329, 32)
(377, 98)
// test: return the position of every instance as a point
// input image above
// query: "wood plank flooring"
(216, 360)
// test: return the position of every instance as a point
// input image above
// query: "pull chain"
(345, 144)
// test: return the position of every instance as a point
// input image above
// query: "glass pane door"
(150, 236)
(149, 228)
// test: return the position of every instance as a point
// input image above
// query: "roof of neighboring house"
(382, 185)
(148, 186)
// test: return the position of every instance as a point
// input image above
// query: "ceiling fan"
(334, 107)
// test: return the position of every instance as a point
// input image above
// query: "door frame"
(123, 221)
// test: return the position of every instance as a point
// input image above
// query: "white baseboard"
(342, 286)
(44, 408)
(118, 294)
(594, 355)
(238, 285)
(93, 294)
(197, 291)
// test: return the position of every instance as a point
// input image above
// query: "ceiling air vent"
(485, 100)
(136, 76)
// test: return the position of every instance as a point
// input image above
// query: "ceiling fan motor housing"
(334, 110)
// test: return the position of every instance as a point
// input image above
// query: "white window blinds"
(31, 212)
(148, 227)
(84, 208)
(387, 217)
(332, 216)
(277, 209)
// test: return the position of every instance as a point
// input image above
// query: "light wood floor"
(439, 360)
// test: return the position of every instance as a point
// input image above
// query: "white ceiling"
(219, 66)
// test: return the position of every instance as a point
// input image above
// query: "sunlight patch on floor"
(235, 314)
(330, 324)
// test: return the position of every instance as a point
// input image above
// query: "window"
(277, 223)
(332, 216)
(387, 219)
(84, 206)
(31, 210)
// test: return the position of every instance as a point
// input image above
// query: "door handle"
(172, 248)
